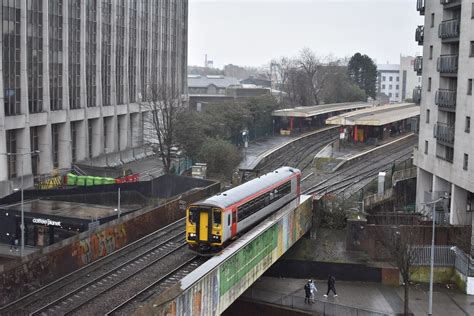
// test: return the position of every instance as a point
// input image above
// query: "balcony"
(446, 99)
(444, 133)
(420, 34)
(417, 95)
(449, 30)
(448, 64)
(420, 6)
(418, 65)
(448, 4)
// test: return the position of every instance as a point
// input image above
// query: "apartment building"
(74, 75)
(388, 81)
(409, 77)
(445, 156)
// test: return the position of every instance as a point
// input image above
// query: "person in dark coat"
(331, 286)
(307, 292)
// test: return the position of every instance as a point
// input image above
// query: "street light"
(433, 203)
(118, 205)
(22, 225)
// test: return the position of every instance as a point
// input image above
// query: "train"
(214, 222)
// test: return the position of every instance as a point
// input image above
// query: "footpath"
(358, 298)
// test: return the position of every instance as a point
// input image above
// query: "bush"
(221, 156)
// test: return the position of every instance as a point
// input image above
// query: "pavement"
(6, 255)
(360, 298)
(257, 150)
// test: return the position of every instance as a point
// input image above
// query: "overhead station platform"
(377, 123)
(304, 118)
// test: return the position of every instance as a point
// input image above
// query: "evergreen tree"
(363, 73)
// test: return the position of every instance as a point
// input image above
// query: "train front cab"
(204, 228)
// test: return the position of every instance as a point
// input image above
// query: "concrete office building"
(388, 81)
(74, 74)
(446, 142)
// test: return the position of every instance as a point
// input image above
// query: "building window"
(55, 144)
(398, 79)
(472, 49)
(91, 53)
(467, 128)
(106, 51)
(74, 11)
(432, 19)
(89, 133)
(35, 55)
(472, 11)
(383, 78)
(397, 87)
(427, 116)
(396, 95)
(431, 51)
(34, 146)
(469, 86)
(132, 54)
(390, 94)
(390, 78)
(390, 87)
(429, 84)
(55, 54)
(143, 18)
(11, 57)
(426, 147)
(120, 49)
(11, 151)
(383, 86)
(465, 162)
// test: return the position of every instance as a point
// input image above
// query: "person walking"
(313, 291)
(12, 243)
(307, 292)
(331, 286)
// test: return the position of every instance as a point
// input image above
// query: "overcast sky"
(252, 32)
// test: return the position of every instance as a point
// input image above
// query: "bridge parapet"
(214, 286)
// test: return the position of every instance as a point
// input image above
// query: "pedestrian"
(16, 244)
(313, 290)
(12, 243)
(331, 286)
(307, 291)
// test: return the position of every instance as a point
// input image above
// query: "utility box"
(199, 170)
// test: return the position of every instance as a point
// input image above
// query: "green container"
(81, 180)
(71, 179)
(98, 180)
(89, 181)
(109, 181)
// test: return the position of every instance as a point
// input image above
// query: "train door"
(298, 181)
(234, 222)
(203, 225)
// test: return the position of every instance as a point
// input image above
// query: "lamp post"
(433, 209)
(22, 225)
(118, 205)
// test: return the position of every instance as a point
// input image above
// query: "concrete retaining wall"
(55, 261)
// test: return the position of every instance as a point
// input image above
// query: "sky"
(252, 32)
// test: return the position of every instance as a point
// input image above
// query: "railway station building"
(377, 124)
(445, 152)
(305, 118)
(75, 76)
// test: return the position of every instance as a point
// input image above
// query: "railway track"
(366, 170)
(143, 250)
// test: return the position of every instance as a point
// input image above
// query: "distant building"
(210, 84)
(388, 81)
(409, 79)
(262, 82)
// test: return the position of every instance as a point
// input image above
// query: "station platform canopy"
(315, 110)
(376, 116)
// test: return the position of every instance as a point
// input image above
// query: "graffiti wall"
(218, 288)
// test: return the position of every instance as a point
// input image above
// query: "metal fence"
(444, 256)
(320, 307)
(463, 263)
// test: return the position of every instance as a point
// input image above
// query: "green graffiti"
(234, 269)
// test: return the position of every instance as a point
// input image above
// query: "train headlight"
(192, 236)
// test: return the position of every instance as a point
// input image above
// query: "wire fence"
(443, 256)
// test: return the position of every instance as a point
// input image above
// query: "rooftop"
(198, 81)
(377, 116)
(388, 67)
(310, 111)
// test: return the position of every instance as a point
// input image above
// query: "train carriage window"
(216, 216)
(193, 215)
(228, 220)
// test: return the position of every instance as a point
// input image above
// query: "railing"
(449, 29)
(448, 64)
(403, 174)
(417, 95)
(446, 98)
(420, 34)
(418, 65)
(378, 198)
(449, 2)
(463, 263)
(444, 133)
(420, 6)
(443, 256)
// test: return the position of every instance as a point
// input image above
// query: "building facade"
(74, 75)
(409, 78)
(446, 145)
(388, 81)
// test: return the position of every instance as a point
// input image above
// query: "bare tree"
(164, 104)
(399, 242)
(315, 71)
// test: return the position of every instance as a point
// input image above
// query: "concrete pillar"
(111, 129)
(81, 140)
(113, 71)
(424, 183)
(64, 146)
(99, 56)
(82, 57)
(97, 143)
(3, 140)
(123, 131)
(459, 214)
(136, 129)
(440, 186)
(45, 141)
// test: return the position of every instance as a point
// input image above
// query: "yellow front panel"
(203, 226)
